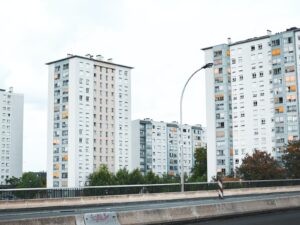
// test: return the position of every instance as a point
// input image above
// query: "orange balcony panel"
(56, 174)
(276, 51)
(65, 115)
(65, 158)
(55, 142)
(231, 152)
(228, 52)
(56, 166)
(280, 109)
(293, 88)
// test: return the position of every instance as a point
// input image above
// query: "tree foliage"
(28, 180)
(291, 160)
(260, 166)
(151, 178)
(123, 177)
(199, 171)
(101, 177)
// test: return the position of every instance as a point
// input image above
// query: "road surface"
(289, 217)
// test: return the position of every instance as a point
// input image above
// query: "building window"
(252, 47)
(275, 42)
(217, 53)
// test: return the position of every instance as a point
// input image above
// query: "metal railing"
(46, 193)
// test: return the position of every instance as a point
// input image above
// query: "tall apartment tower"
(252, 98)
(11, 134)
(156, 146)
(89, 114)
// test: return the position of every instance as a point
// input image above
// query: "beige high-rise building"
(89, 113)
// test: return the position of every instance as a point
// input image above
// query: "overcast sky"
(161, 39)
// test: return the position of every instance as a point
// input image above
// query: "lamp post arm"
(208, 65)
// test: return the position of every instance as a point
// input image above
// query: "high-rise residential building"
(156, 146)
(89, 114)
(252, 98)
(11, 134)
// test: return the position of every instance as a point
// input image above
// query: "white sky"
(161, 39)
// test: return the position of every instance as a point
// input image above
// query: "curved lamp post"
(208, 65)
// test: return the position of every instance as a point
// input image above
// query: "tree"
(31, 180)
(199, 171)
(260, 166)
(136, 177)
(101, 177)
(122, 176)
(291, 160)
(166, 178)
(151, 178)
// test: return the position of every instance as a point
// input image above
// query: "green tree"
(101, 177)
(199, 171)
(31, 180)
(260, 166)
(291, 159)
(122, 177)
(151, 178)
(136, 177)
(166, 178)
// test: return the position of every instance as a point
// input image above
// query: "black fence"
(44, 193)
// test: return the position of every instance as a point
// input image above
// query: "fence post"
(220, 188)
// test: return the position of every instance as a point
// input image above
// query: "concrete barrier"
(177, 214)
(67, 220)
(180, 214)
(116, 199)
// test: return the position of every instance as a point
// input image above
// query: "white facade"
(252, 98)
(157, 146)
(11, 134)
(89, 113)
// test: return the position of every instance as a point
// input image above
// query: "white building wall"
(50, 116)
(11, 134)
(135, 143)
(252, 99)
(187, 150)
(159, 148)
(16, 131)
(297, 47)
(83, 141)
(80, 157)
(123, 119)
(210, 118)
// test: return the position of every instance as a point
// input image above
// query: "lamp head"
(208, 65)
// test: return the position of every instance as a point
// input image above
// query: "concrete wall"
(177, 214)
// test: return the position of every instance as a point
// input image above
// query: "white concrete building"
(11, 134)
(89, 114)
(157, 146)
(252, 98)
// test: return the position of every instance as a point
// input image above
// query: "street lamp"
(208, 65)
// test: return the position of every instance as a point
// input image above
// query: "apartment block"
(156, 145)
(89, 114)
(11, 134)
(252, 98)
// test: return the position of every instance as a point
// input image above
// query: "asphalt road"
(290, 217)
(37, 213)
